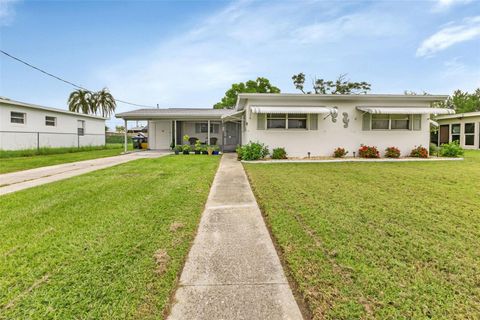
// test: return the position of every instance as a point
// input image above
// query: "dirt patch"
(176, 226)
(161, 259)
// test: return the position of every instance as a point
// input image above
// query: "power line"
(66, 81)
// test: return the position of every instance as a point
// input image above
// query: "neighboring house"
(301, 123)
(28, 126)
(462, 127)
(137, 129)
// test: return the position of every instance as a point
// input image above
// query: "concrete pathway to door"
(15, 181)
(233, 270)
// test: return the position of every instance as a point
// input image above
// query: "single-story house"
(29, 126)
(462, 127)
(301, 123)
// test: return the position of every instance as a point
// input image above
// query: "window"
(286, 121)
(401, 121)
(455, 130)
(390, 122)
(17, 117)
(380, 121)
(50, 121)
(469, 134)
(81, 127)
(297, 121)
(202, 127)
(276, 121)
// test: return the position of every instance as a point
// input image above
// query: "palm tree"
(104, 102)
(81, 101)
(87, 102)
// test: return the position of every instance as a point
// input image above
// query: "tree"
(261, 85)
(462, 102)
(89, 102)
(104, 102)
(120, 129)
(340, 86)
(80, 101)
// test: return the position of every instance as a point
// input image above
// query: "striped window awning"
(405, 110)
(291, 109)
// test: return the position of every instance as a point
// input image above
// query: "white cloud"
(449, 35)
(444, 5)
(7, 12)
(241, 42)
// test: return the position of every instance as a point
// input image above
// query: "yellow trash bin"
(144, 145)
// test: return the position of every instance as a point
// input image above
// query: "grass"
(378, 240)
(104, 245)
(11, 161)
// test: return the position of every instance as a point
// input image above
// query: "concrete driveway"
(15, 181)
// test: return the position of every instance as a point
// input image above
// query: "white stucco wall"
(15, 136)
(462, 122)
(330, 135)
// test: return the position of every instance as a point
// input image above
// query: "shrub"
(419, 152)
(279, 153)
(252, 151)
(368, 152)
(339, 153)
(433, 149)
(392, 152)
(451, 149)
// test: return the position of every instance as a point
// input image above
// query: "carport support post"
(208, 132)
(175, 132)
(125, 136)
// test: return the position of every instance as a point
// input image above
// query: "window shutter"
(417, 122)
(261, 121)
(366, 121)
(313, 121)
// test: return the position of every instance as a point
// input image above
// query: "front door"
(231, 136)
(444, 134)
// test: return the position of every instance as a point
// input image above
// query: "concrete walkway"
(233, 270)
(15, 181)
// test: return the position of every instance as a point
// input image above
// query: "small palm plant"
(104, 102)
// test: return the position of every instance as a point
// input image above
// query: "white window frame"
(23, 117)
(465, 133)
(389, 118)
(271, 116)
(82, 127)
(459, 134)
(47, 121)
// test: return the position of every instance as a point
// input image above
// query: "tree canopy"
(340, 86)
(462, 102)
(261, 85)
(85, 101)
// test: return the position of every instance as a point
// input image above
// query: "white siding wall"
(14, 136)
(330, 135)
(189, 129)
(462, 122)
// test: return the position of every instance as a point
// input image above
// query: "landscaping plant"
(279, 153)
(340, 152)
(419, 152)
(252, 151)
(198, 147)
(368, 152)
(186, 149)
(392, 152)
(433, 149)
(451, 149)
(178, 148)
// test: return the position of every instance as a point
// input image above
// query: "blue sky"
(187, 53)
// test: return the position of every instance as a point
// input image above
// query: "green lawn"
(378, 240)
(104, 245)
(11, 162)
